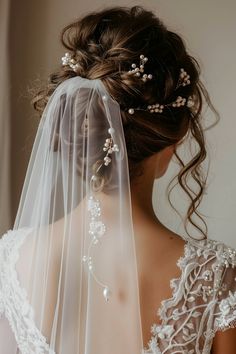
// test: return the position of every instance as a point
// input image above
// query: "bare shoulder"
(173, 241)
(224, 342)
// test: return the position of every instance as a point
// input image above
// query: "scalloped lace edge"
(15, 303)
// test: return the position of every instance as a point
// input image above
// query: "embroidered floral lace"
(203, 301)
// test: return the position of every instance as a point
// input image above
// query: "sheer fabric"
(78, 262)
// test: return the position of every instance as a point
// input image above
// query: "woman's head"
(105, 44)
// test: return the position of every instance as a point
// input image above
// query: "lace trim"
(13, 298)
(166, 330)
(225, 256)
(175, 282)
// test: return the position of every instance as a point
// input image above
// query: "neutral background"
(30, 50)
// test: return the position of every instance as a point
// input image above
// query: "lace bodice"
(203, 301)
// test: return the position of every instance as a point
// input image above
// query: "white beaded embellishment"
(157, 108)
(139, 71)
(96, 230)
(109, 147)
(184, 79)
(96, 227)
(68, 60)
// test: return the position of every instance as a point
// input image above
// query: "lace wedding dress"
(203, 300)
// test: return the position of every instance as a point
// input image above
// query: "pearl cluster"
(68, 60)
(139, 71)
(180, 101)
(183, 78)
(157, 108)
(109, 147)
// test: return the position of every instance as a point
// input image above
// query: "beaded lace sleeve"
(225, 310)
(14, 304)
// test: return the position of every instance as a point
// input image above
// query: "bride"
(88, 268)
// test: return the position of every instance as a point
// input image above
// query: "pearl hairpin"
(184, 79)
(68, 60)
(180, 101)
(139, 71)
(158, 108)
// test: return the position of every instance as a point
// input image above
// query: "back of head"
(104, 45)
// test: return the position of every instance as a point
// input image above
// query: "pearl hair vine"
(138, 71)
(184, 80)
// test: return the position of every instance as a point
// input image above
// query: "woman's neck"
(141, 198)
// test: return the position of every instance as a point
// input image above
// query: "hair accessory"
(184, 80)
(158, 108)
(180, 101)
(109, 147)
(139, 71)
(68, 60)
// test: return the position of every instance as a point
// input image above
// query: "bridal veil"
(77, 261)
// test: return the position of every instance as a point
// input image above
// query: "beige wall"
(209, 29)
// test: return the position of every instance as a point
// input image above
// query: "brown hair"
(105, 44)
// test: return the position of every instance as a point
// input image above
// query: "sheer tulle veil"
(78, 257)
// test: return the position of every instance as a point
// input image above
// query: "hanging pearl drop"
(106, 293)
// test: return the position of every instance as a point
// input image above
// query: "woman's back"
(181, 306)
